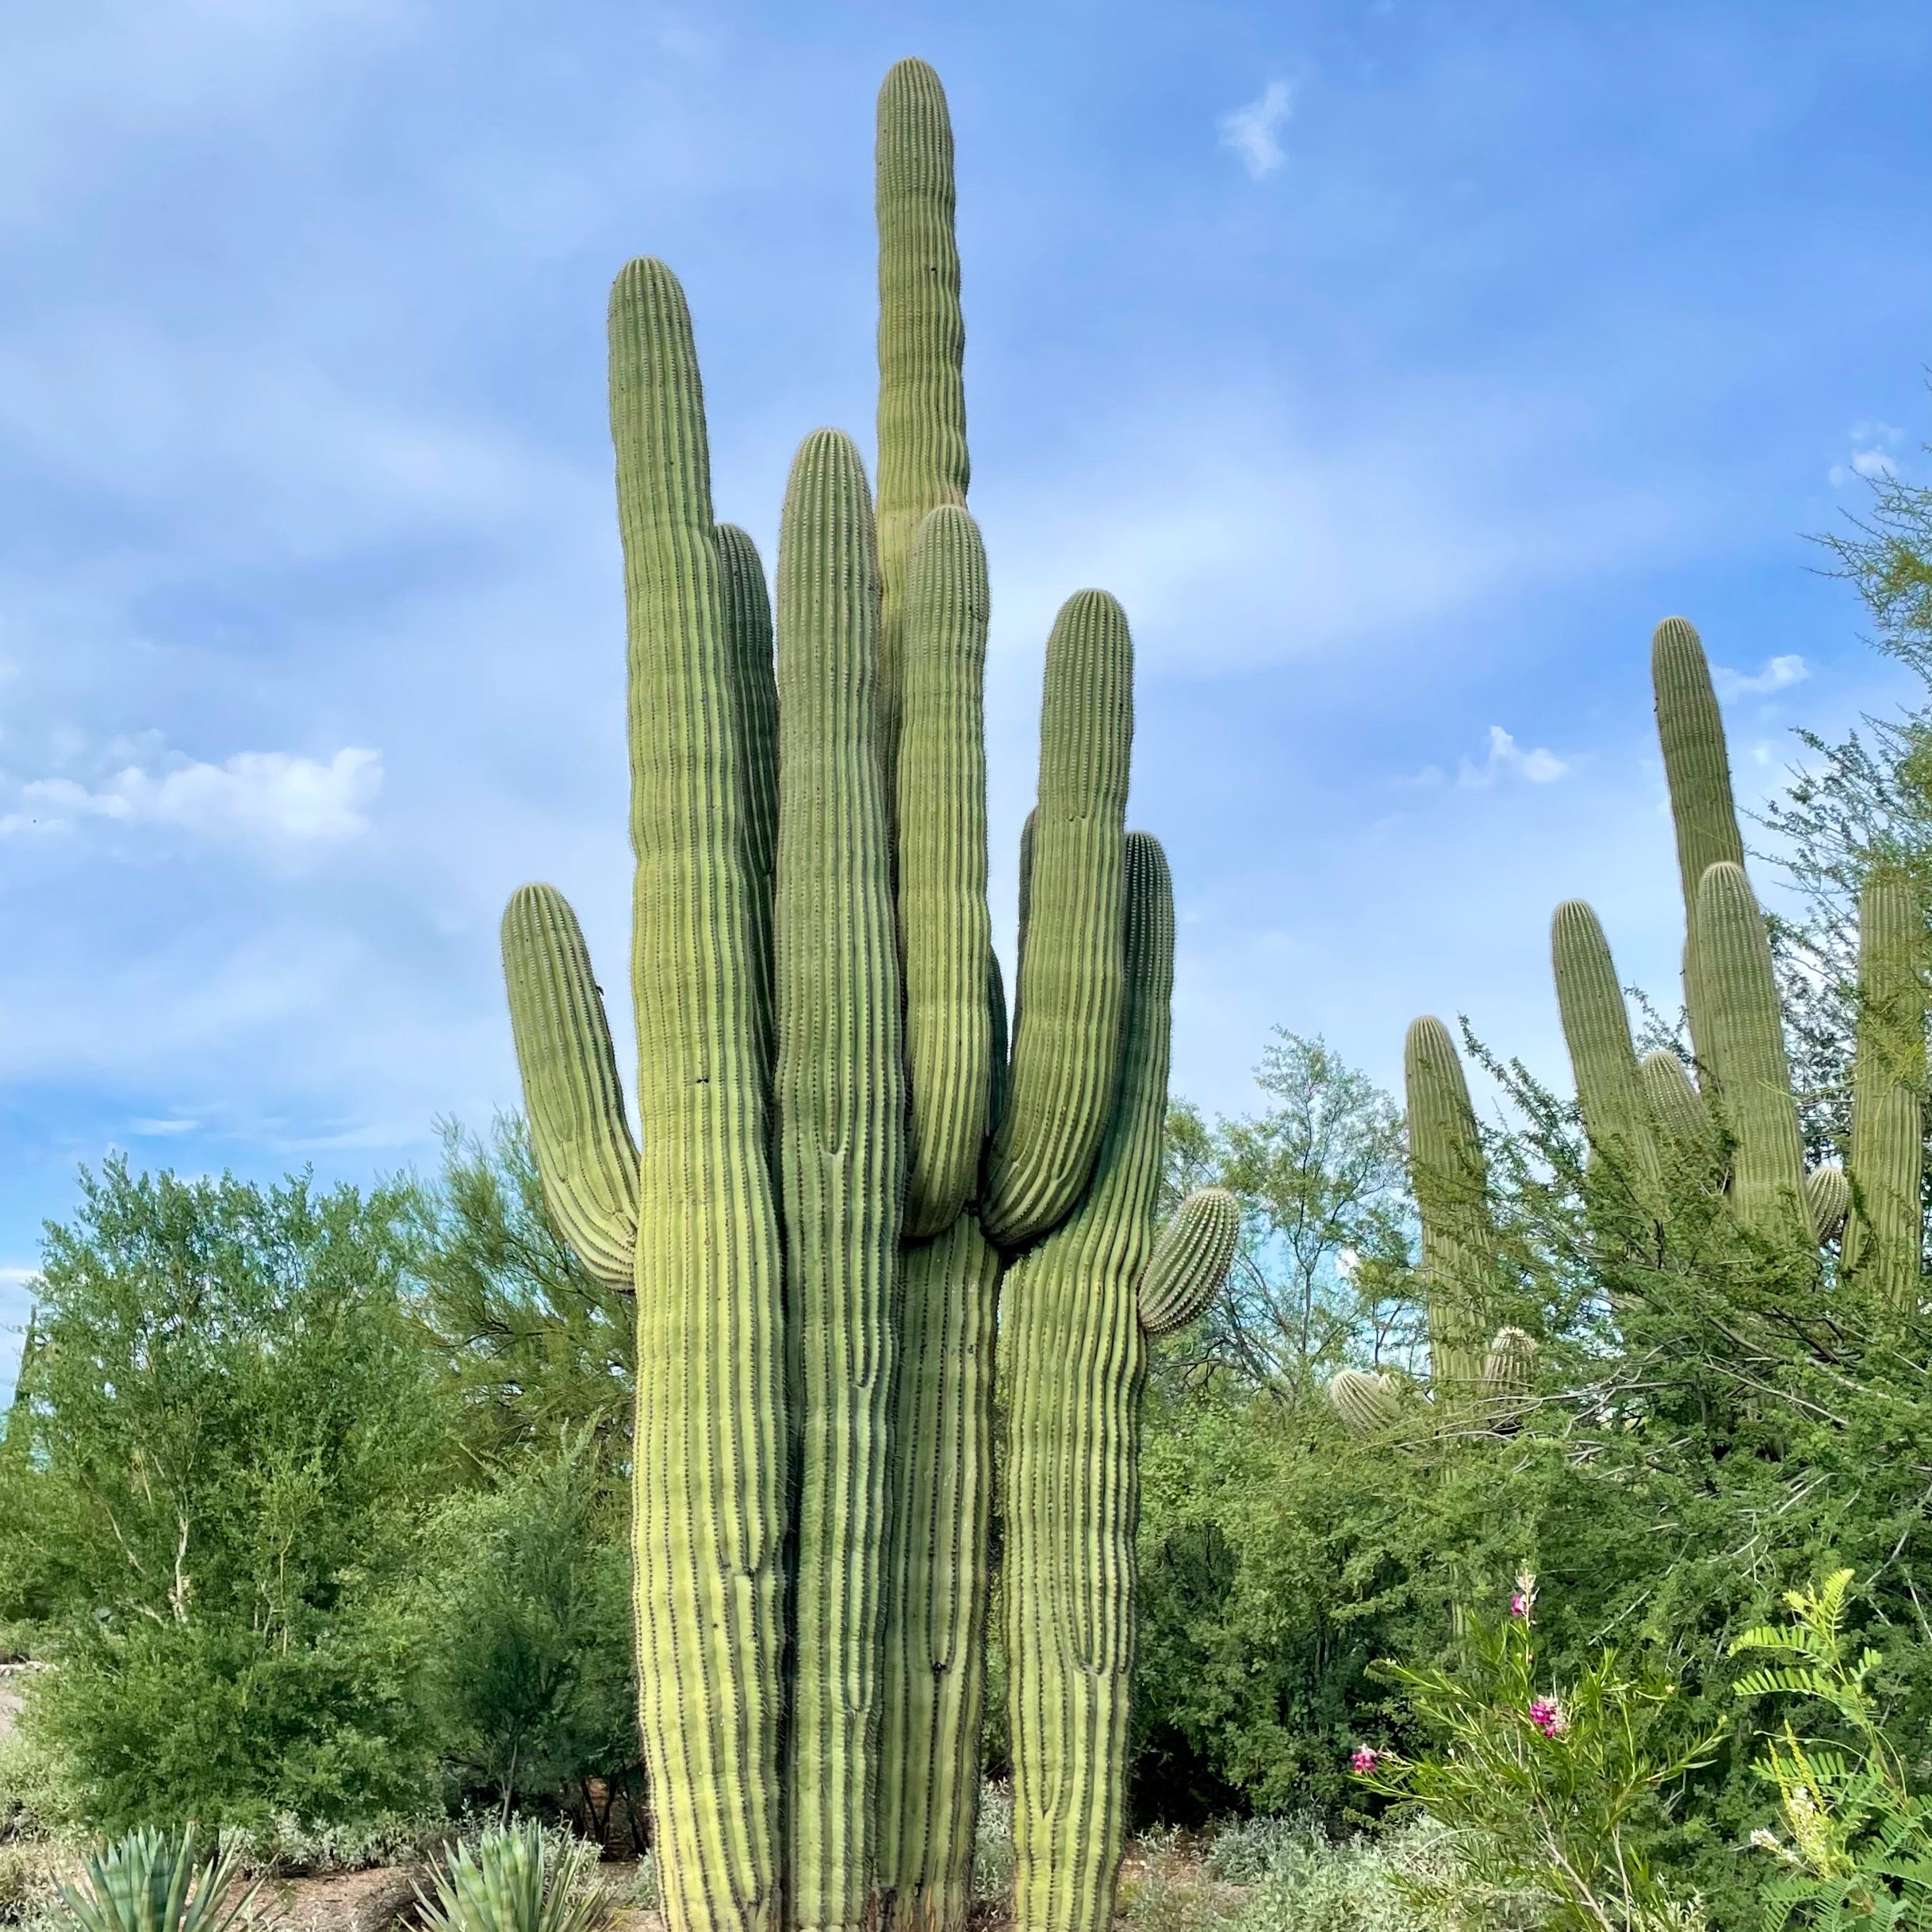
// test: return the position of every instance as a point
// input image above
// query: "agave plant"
(153, 1881)
(516, 1878)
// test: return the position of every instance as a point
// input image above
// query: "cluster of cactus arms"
(1730, 1121)
(1732, 1118)
(837, 1163)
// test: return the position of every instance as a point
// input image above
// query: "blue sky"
(1399, 362)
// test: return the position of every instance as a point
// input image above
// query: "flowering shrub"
(1550, 1797)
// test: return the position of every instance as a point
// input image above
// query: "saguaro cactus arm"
(923, 459)
(1189, 1266)
(1883, 1237)
(1690, 729)
(840, 1100)
(1597, 1030)
(1827, 1197)
(1451, 1183)
(572, 1095)
(1067, 1034)
(1365, 1404)
(946, 935)
(1744, 1037)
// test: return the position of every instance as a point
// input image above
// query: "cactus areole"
(837, 1160)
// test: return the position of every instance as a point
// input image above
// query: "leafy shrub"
(1857, 1848)
(233, 1434)
(1304, 1882)
(529, 1626)
(1559, 1796)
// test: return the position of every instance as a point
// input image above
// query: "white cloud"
(147, 1130)
(1250, 131)
(1508, 758)
(1874, 459)
(257, 793)
(1778, 674)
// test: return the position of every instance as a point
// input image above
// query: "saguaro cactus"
(836, 1161)
(1745, 1101)
(1450, 1179)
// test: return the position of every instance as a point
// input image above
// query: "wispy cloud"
(1778, 674)
(1251, 131)
(1871, 457)
(254, 795)
(1507, 759)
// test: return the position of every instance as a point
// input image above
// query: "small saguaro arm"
(836, 1157)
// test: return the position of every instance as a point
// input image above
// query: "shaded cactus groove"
(838, 1157)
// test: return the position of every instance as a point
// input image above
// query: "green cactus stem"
(1451, 1184)
(701, 1218)
(1509, 1368)
(1365, 1404)
(945, 932)
(1827, 1200)
(1884, 1236)
(841, 1105)
(1743, 1036)
(1597, 1030)
(1076, 1351)
(754, 724)
(1691, 729)
(1072, 984)
(923, 459)
(1190, 1261)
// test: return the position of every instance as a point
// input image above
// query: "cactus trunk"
(1884, 1236)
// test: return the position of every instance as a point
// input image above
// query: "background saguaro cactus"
(813, 1441)
(1741, 1106)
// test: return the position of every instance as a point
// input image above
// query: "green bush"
(234, 1436)
(528, 1626)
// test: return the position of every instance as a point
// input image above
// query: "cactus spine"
(829, 1178)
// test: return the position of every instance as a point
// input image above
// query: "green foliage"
(1555, 1793)
(1857, 1850)
(533, 1341)
(234, 1430)
(160, 1881)
(516, 1878)
(527, 1615)
(1319, 1172)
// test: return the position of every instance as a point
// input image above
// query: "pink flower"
(1518, 1603)
(1546, 1717)
(1362, 1760)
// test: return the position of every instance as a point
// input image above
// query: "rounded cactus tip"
(1363, 1402)
(1676, 633)
(1510, 1367)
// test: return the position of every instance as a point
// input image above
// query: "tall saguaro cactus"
(836, 1161)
